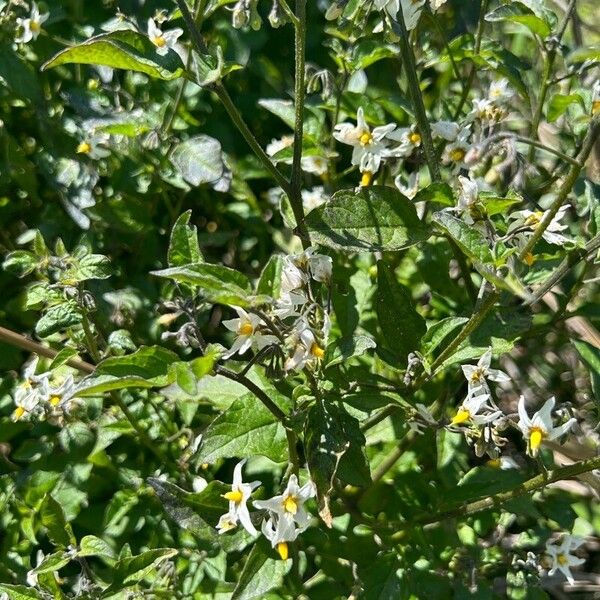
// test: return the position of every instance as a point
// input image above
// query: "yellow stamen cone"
(290, 505)
(283, 550)
(536, 437)
(234, 496)
(460, 417)
(366, 179)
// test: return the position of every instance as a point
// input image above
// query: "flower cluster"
(295, 326)
(478, 409)
(286, 516)
(38, 397)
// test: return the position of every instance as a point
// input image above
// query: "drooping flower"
(369, 145)
(247, 327)
(477, 375)
(163, 40)
(238, 497)
(562, 557)
(307, 349)
(30, 28)
(288, 517)
(476, 410)
(540, 428)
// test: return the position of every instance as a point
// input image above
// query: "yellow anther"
(562, 560)
(415, 138)
(159, 41)
(366, 179)
(246, 328)
(35, 26)
(84, 148)
(234, 496)
(19, 412)
(55, 400)
(283, 550)
(290, 505)
(365, 139)
(494, 463)
(457, 154)
(595, 107)
(477, 375)
(534, 219)
(529, 258)
(317, 351)
(536, 437)
(461, 416)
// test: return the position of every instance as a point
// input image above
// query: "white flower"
(313, 198)
(436, 4)
(29, 376)
(540, 428)
(562, 559)
(288, 515)
(411, 188)
(238, 496)
(499, 90)
(163, 40)
(532, 219)
(26, 402)
(410, 139)
(30, 28)
(93, 146)
(447, 130)
(477, 375)
(455, 153)
(369, 146)
(59, 399)
(471, 408)
(247, 326)
(307, 349)
(277, 145)
(320, 267)
(504, 463)
(411, 10)
(314, 164)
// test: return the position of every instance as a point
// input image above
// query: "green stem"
(566, 187)
(531, 485)
(299, 93)
(414, 88)
(229, 106)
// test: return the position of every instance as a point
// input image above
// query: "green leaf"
(471, 241)
(560, 103)
(21, 263)
(437, 193)
(91, 545)
(269, 282)
(183, 246)
(199, 160)
(495, 205)
(57, 318)
(347, 348)
(380, 579)
(262, 572)
(20, 592)
(123, 49)
(132, 569)
(374, 219)
(284, 109)
(95, 385)
(53, 519)
(53, 562)
(245, 429)
(518, 13)
(218, 284)
(63, 356)
(484, 481)
(590, 356)
(581, 55)
(401, 325)
(439, 331)
(151, 363)
(90, 266)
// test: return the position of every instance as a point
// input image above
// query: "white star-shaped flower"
(562, 559)
(163, 40)
(238, 497)
(477, 375)
(247, 327)
(30, 28)
(540, 427)
(477, 410)
(532, 219)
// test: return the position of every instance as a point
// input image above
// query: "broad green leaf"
(402, 327)
(495, 205)
(90, 545)
(63, 356)
(484, 481)
(93, 385)
(439, 331)
(77, 439)
(183, 246)
(518, 13)
(151, 363)
(89, 266)
(381, 579)
(20, 592)
(245, 429)
(53, 519)
(123, 49)
(347, 348)
(590, 356)
(57, 318)
(269, 282)
(470, 240)
(437, 193)
(218, 284)
(20, 263)
(132, 569)
(581, 55)
(199, 160)
(53, 562)
(560, 103)
(374, 219)
(284, 109)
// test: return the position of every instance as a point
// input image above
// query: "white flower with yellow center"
(30, 28)
(477, 375)
(247, 327)
(163, 40)
(410, 139)
(27, 403)
(307, 349)
(531, 219)
(562, 557)
(288, 515)
(369, 145)
(539, 428)
(499, 91)
(238, 497)
(60, 398)
(317, 165)
(94, 146)
(476, 410)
